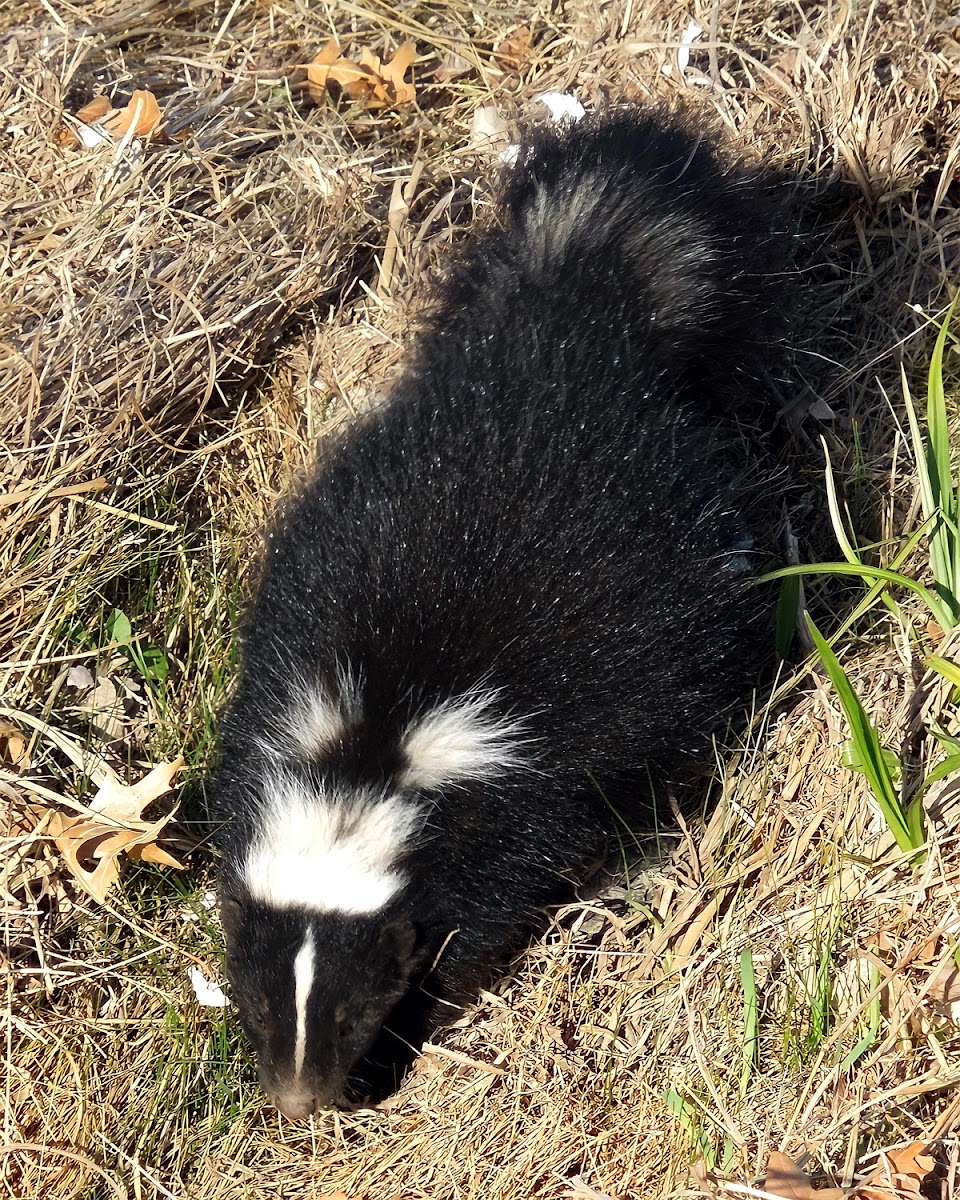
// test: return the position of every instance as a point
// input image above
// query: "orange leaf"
(100, 123)
(784, 1178)
(96, 108)
(151, 852)
(514, 50)
(142, 113)
(394, 71)
(319, 69)
(900, 1173)
(370, 82)
(78, 840)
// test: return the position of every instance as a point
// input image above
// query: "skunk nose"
(295, 1104)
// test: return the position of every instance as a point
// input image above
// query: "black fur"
(550, 505)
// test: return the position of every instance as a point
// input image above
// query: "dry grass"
(175, 334)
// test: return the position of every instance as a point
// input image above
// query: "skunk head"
(314, 990)
(324, 874)
(319, 944)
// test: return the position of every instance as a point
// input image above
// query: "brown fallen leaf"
(94, 109)
(514, 50)
(13, 746)
(142, 114)
(90, 846)
(943, 991)
(372, 83)
(99, 122)
(784, 1178)
(899, 1174)
(452, 66)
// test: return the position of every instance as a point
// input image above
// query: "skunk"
(505, 595)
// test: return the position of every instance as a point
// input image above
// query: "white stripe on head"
(326, 851)
(302, 987)
(317, 718)
(462, 739)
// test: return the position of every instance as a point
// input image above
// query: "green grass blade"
(943, 666)
(946, 740)
(939, 610)
(839, 532)
(751, 1010)
(942, 770)
(850, 757)
(919, 449)
(938, 432)
(939, 493)
(788, 608)
(867, 743)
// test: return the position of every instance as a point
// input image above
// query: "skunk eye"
(345, 1021)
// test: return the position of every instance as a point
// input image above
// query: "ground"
(180, 320)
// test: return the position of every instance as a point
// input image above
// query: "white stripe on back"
(463, 739)
(303, 966)
(318, 719)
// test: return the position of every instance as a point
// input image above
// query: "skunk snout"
(295, 1103)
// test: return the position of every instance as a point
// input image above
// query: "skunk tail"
(631, 222)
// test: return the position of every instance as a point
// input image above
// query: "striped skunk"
(505, 595)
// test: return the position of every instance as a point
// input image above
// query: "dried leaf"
(784, 1178)
(13, 746)
(943, 991)
(488, 127)
(370, 82)
(319, 69)
(452, 66)
(820, 410)
(142, 114)
(151, 852)
(80, 678)
(514, 50)
(94, 109)
(899, 1174)
(100, 123)
(394, 71)
(90, 846)
(124, 803)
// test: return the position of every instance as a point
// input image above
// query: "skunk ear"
(231, 914)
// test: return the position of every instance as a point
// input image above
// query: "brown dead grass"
(175, 334)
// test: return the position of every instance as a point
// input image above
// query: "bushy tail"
(631, 220)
